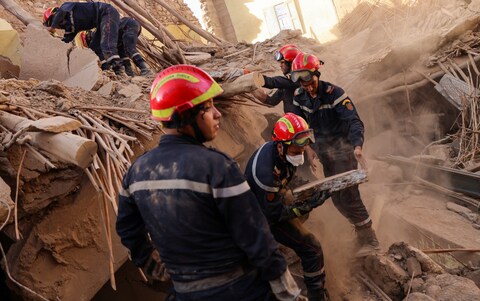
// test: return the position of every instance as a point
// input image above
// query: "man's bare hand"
(360, 157)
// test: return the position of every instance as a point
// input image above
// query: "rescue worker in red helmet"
(285, 87)
(339, 135)
(195, 204)
(129, 30)
(73, 17)
(269, 172)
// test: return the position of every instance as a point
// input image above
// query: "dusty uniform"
(285, 90)
(128, 31)
(74, 17)
(204, 220)
(338, 129)
(268, 175)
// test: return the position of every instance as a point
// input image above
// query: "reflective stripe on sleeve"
(227, 192)
(363, 223)
(170, 184)
(254, 173)
(340, 99)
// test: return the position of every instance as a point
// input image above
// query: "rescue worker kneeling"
(268, 172)
(195, 204)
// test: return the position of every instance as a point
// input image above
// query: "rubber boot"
(128, 67)
(105, 65)
(118, 67)
(368, 242)
(140, 63)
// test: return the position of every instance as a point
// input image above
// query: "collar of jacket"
(181, 139)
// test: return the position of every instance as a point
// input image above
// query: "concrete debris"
(6, 203)
(46, 57)
(406, 271)
(463, 211)
(107, 89)
(130, 90)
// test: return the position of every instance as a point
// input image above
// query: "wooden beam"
(147, 21)
(19, 12)
(67, 147)
(204, 34)
(243, 84)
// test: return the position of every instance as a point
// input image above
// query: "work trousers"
(249, 287)
(337, 158)
(109, 19)
(295, 236)
(127, 44)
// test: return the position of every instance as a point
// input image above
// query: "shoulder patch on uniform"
(298, 91)
(348, 104)
(330, 89)
(270, 196)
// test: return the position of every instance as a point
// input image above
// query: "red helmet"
(293, 129)
(304, 66)
(179, 88)
(48, 15)
(287, 53)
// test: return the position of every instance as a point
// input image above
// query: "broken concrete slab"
(463, 211)
(86, 78)
(75, 67)
(83, 69)
(41, 47)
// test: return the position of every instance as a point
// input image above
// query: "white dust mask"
(295, 160)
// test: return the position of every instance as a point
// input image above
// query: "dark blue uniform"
(338, 129)
(128, 31)
(268, 175)
(74, 17)
(203, 219)
(285, 90)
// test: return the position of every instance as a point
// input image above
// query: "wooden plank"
(331, 184)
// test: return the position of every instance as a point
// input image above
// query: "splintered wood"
(331, 184)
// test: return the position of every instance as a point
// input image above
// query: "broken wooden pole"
(437, 251)
(67, 147)
(243, 84)
(203, 33)
(19, 12)
(330, 184)
(161, 33)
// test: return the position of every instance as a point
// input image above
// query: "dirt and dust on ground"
(388, 58)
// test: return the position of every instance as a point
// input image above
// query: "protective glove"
(285, 288)
(154, 269)
(300, 209)
(318, 199)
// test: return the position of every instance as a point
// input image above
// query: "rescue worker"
(129, 30)
(268, 172)
(195, 204)
(339, 140)
(285, 87)
(73, 17)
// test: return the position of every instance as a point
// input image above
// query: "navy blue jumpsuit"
(338, 129)
(268, 175)
(202, 218)
(74, 17)
(128, 31)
